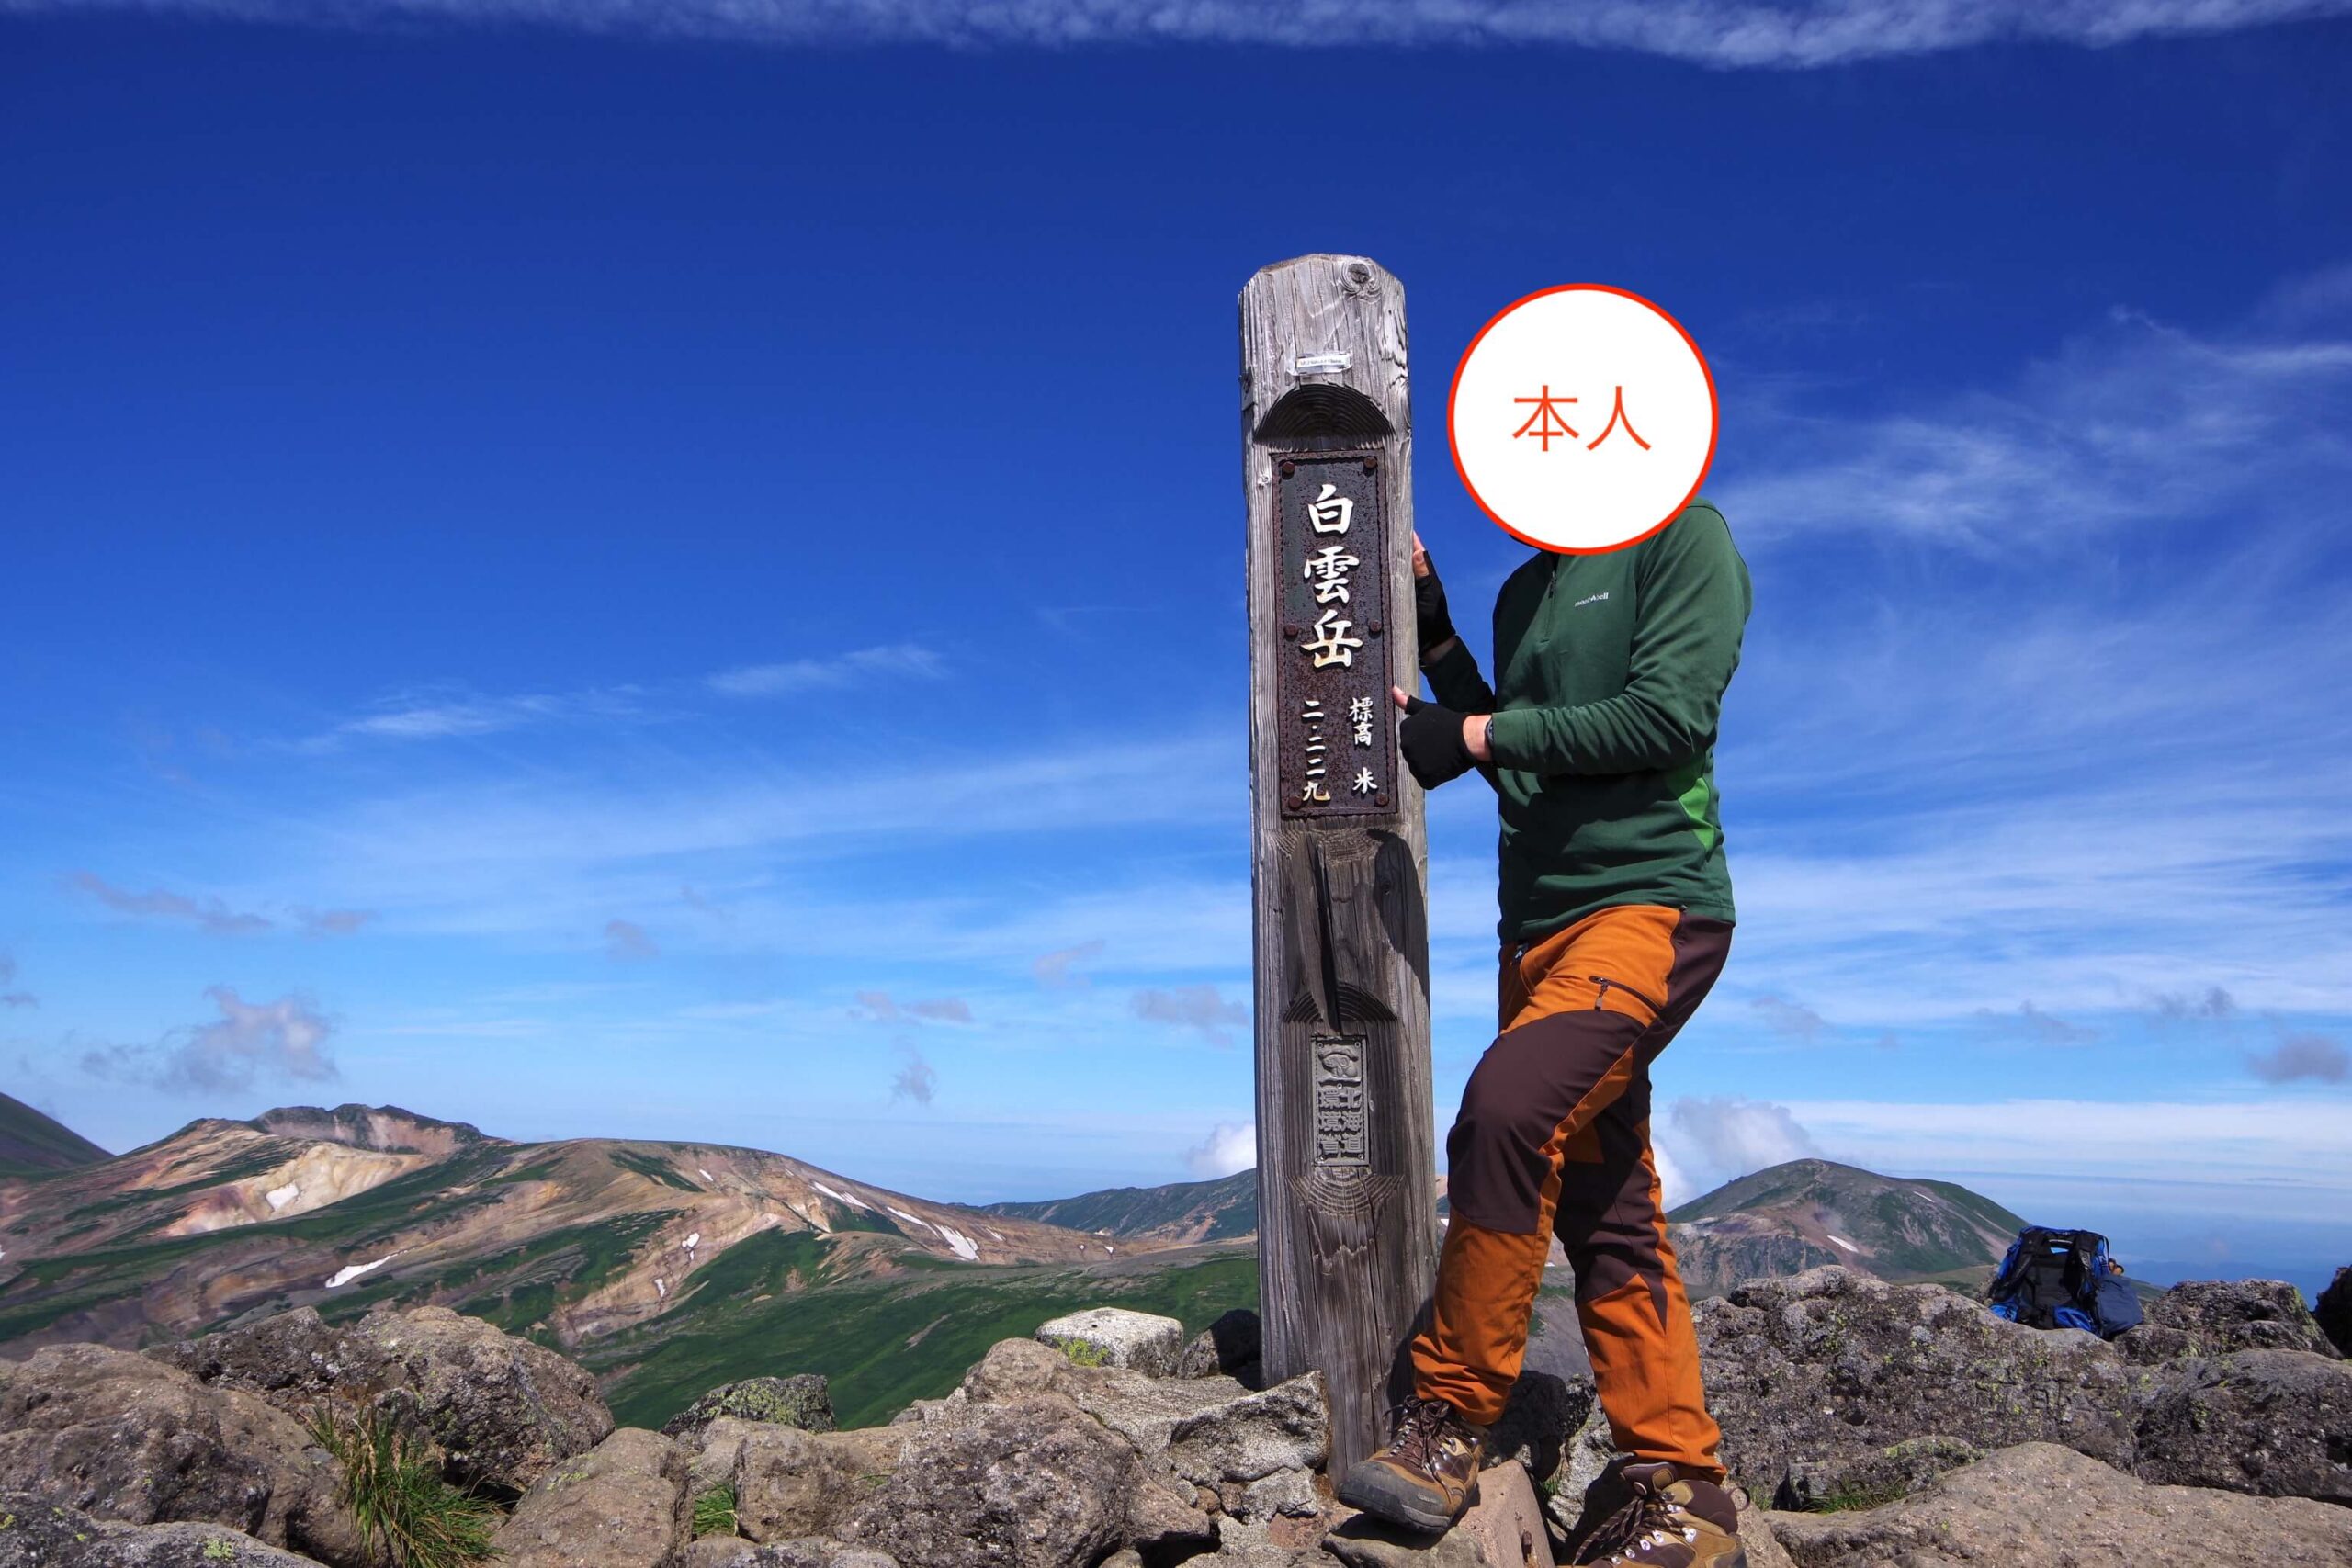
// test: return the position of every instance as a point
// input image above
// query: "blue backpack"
(2054, 1278)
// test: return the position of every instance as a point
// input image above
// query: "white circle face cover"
(1582, 418)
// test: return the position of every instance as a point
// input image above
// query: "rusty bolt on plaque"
(1289, 468)
(1372, 463)
(1290, 629)
(1381, 798)
(1372, 626)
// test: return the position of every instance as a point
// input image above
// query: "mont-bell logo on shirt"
(1589, 599)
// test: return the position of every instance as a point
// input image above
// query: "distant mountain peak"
(388, 1129)
(1798, 1216)
(33, 1140)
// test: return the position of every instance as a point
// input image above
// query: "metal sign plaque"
(1337, 754)
(1339, 1109)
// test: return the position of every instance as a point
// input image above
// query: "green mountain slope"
(669, 1266)
(1183, 1212)
(1792, 1217)
(31, 1142)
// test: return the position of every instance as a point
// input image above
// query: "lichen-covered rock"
(501, 1409)
(2215, 1317)
(624, 1501)
(1287, 1427)
(1835, 1365)
(1866, 1481)
(1228, 1348)
(2276, 1423)
(789, 1484)
(2041, 1505)
(2333, 1312)
(803, 1400)
(37, 1533)
(1029, 1483)
(1142, 1409)
(134, 1441)
(1114, 1337)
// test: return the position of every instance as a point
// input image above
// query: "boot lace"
(1647, 1519)
(1420, 1428)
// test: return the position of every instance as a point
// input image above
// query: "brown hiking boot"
(1669, 1522)
(1424, 1477)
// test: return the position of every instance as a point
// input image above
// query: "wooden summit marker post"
(1347, 1194)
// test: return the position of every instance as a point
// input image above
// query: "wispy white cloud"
(250, 1041)
(916, 1080)
(904, 660)
(626, 942)
(456, 712)
(1197, 1007)
(207, 915)
(1058, 969)
(1721, 33)
(2131, 423)
(882, 1007)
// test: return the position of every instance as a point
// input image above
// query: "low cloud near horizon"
(1718, 34)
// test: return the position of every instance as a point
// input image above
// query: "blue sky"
(679, 574)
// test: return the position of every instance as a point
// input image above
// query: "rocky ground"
(1868, 1423)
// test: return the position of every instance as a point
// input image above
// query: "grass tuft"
(394, 1490)
(1083, 1354)
(715, 1512)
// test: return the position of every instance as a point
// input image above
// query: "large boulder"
(1285, 1427)
(1027, 1483)
(2214, 1317)
(1835, 1365)
(1228, 1348)
(1114, 1337)
(131, 1440)
(503, 1410)
(623, 1502)
(2276, 1423)
(37, 1533)
(803, 1400)
(790, 1484)
(1145, 1410)
(2333, 1312)
(2043, 1506)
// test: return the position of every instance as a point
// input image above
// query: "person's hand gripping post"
(1439, 744)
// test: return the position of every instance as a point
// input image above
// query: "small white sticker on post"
(1321, 364)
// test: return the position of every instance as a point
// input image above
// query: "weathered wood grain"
(1347, 1253)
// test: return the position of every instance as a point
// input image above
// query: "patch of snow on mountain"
(693, 1241)
(965, 1247)
(1844, 1243)
(280, 1196)
(345, 1275)
(838, 1197)
(911, 1219)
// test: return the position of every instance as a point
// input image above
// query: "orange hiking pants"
(1554, 1137)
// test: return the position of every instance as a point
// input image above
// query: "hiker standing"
(1599, 738)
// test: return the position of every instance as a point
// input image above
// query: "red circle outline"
(1715, 418)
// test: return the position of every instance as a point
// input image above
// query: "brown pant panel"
(1584, 1013)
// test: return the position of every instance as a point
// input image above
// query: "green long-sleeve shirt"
(1609, 674)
